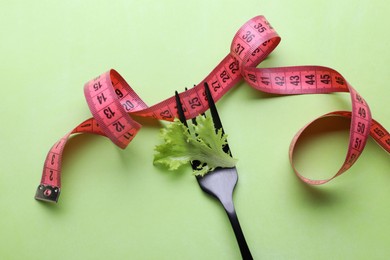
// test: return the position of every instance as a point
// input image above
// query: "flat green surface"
(116, 205)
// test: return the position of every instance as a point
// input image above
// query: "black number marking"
(295, 80)
(166, 114)
(108, 112)
(119, 93)
(101, 98)
(233, 67)
(310, 79)
(379, 132)
(361, 127)
(128, 105)
(256, 51)
(224, 76)
(97, 86)
(352, 158)
(260, 27)
(239, 49)
(279, 81)
(252, 77)
(340, 80)
(266, 43)
(128, 135)
(359, 98)
(118, 126)
(358, 143)
(194, 102)
(265, 80)
(248, 36)
(215, 85)
(362, 112)
(325, 78)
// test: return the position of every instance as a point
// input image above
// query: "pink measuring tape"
(113, 102)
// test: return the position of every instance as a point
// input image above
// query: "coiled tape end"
(47, 193)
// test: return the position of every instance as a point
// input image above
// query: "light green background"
(116, 205)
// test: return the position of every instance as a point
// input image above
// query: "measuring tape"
(112, 101)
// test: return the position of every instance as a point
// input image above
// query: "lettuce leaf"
(181, 147)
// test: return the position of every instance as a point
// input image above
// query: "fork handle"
(244, 249)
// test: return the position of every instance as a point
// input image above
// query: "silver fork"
(220, 182)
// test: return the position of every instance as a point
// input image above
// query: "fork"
(220, 182)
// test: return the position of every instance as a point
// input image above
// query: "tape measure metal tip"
(47, 193)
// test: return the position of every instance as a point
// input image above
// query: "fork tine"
(180, 110)
(193, 120)
(214, 114)
(213, 108)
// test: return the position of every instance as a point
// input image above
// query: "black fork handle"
(244, 249)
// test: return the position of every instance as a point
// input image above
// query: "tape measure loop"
(252, 43)
(295, 140)
(110, 99)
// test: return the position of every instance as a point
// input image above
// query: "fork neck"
(229, 206)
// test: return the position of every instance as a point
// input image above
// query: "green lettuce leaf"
(181, 147)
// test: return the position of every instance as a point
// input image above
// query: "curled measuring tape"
(112, 101)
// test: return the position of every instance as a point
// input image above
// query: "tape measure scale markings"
(112, 101)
